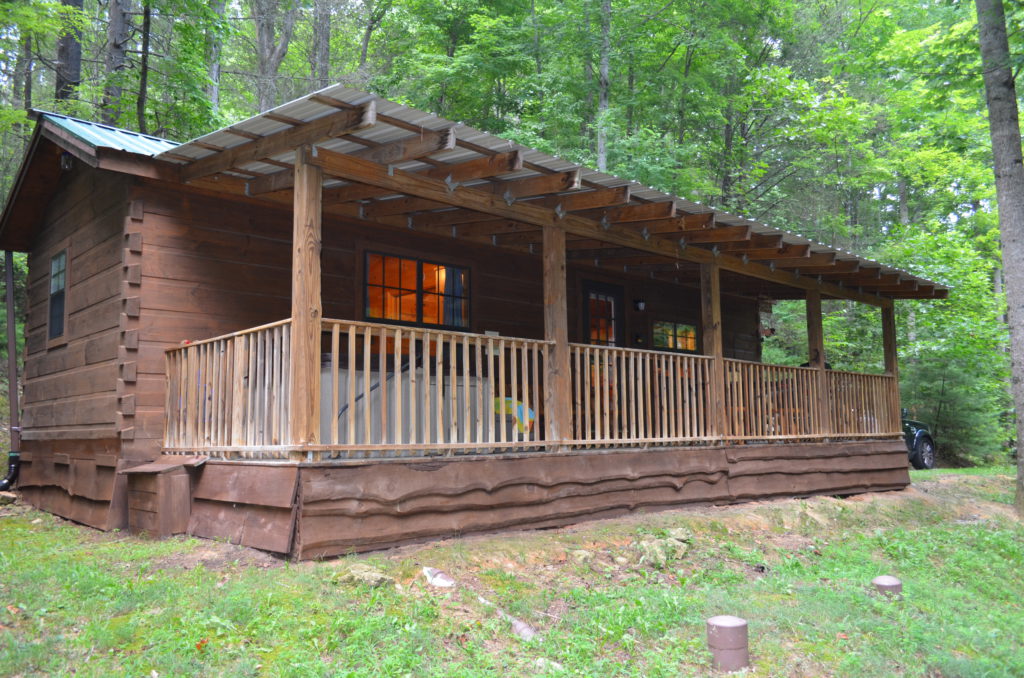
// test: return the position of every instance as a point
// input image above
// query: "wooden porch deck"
(390, 391)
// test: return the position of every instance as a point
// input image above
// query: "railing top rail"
(230, 335)
(646, 351)
(861, 374)
(417, 329)
(785, 367)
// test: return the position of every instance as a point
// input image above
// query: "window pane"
(408, 274)
(56, 325)
(432, 309)
(375, 302)
(433, 277)
(392, 272)
(408, 307)
(375, 269)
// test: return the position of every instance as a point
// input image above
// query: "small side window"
(58, 293)
(675, 336)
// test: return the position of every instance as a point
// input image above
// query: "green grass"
(89, 604)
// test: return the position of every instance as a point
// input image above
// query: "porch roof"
(255, 157)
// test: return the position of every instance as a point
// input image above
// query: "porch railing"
(387, 391)
(638, 397)
(230, 391)
(404, 388)
(766, 402)
(863, 404)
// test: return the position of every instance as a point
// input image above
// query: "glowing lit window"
(675, 336)
(416, 291)
(602, 317)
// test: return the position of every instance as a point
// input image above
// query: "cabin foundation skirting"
(75, 479)
(318, 510)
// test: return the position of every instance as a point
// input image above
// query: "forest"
(858, 123)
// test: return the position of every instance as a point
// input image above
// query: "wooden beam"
(838, 267)
(711, 342)
(812, 259)
(403, 150)
(307, 312)
(816, 359)
(409, 148)
(681, 225)
(717, 235)
(508, 190)
(628, 213)
(357, 169)
(478, 168)
(332, 125)
(558, 379)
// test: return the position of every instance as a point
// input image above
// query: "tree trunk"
(271, 46)
(214, 47)
(322, 43)
(140, 102)
(604, 86)
(114, 60)
(1004, 130)
(69, 58)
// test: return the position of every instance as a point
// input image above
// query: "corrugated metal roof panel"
(98, 135)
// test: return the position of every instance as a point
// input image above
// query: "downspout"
(14, 456)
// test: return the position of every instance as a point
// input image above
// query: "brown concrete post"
(728, 642)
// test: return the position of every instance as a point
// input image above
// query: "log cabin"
(346, 324)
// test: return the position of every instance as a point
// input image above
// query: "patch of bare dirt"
(218, 556)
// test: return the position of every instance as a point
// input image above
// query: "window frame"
(673, 321)
(62, 338)
(420, 261)
(617, 293)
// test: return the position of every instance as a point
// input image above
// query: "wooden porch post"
(711, 333)
(557, 391)
(891, 366)
(304, 359)
(816, 359)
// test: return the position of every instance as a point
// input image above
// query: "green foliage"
(858, 125)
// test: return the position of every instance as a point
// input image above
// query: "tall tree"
(1004, 129)
(322, 43)
(69, 56)
(274, 29)
(604, 85)
(214, 48)
(140, 100)
(118, 27)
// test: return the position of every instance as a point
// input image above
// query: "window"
(416, 291)
(603, 314)
(58, 284)
(675, 336)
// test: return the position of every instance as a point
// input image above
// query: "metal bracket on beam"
(494, 240)
(559, 211)
(605, 223)
(408, 222)
(745, 259)
(771, 266)
(509, 198)
(682, 244)
(452, 185)
(391, 170)
(455, 231)
(715, 251)
(645, 234)
(362, 210)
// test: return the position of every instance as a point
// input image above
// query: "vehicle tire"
(924, 453)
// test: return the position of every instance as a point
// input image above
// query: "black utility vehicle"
(920, 445)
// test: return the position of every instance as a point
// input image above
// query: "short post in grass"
(888, 585)
(728, 642)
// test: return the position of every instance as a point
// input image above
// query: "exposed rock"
(660, 552)
(681, 534)
(361, 573)
(7, 498)
(582, 557)
(621, 560)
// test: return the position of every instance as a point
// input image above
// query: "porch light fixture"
(639, 304)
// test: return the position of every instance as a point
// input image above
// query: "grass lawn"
(76, 601)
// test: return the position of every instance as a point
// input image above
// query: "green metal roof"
(104, 136)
